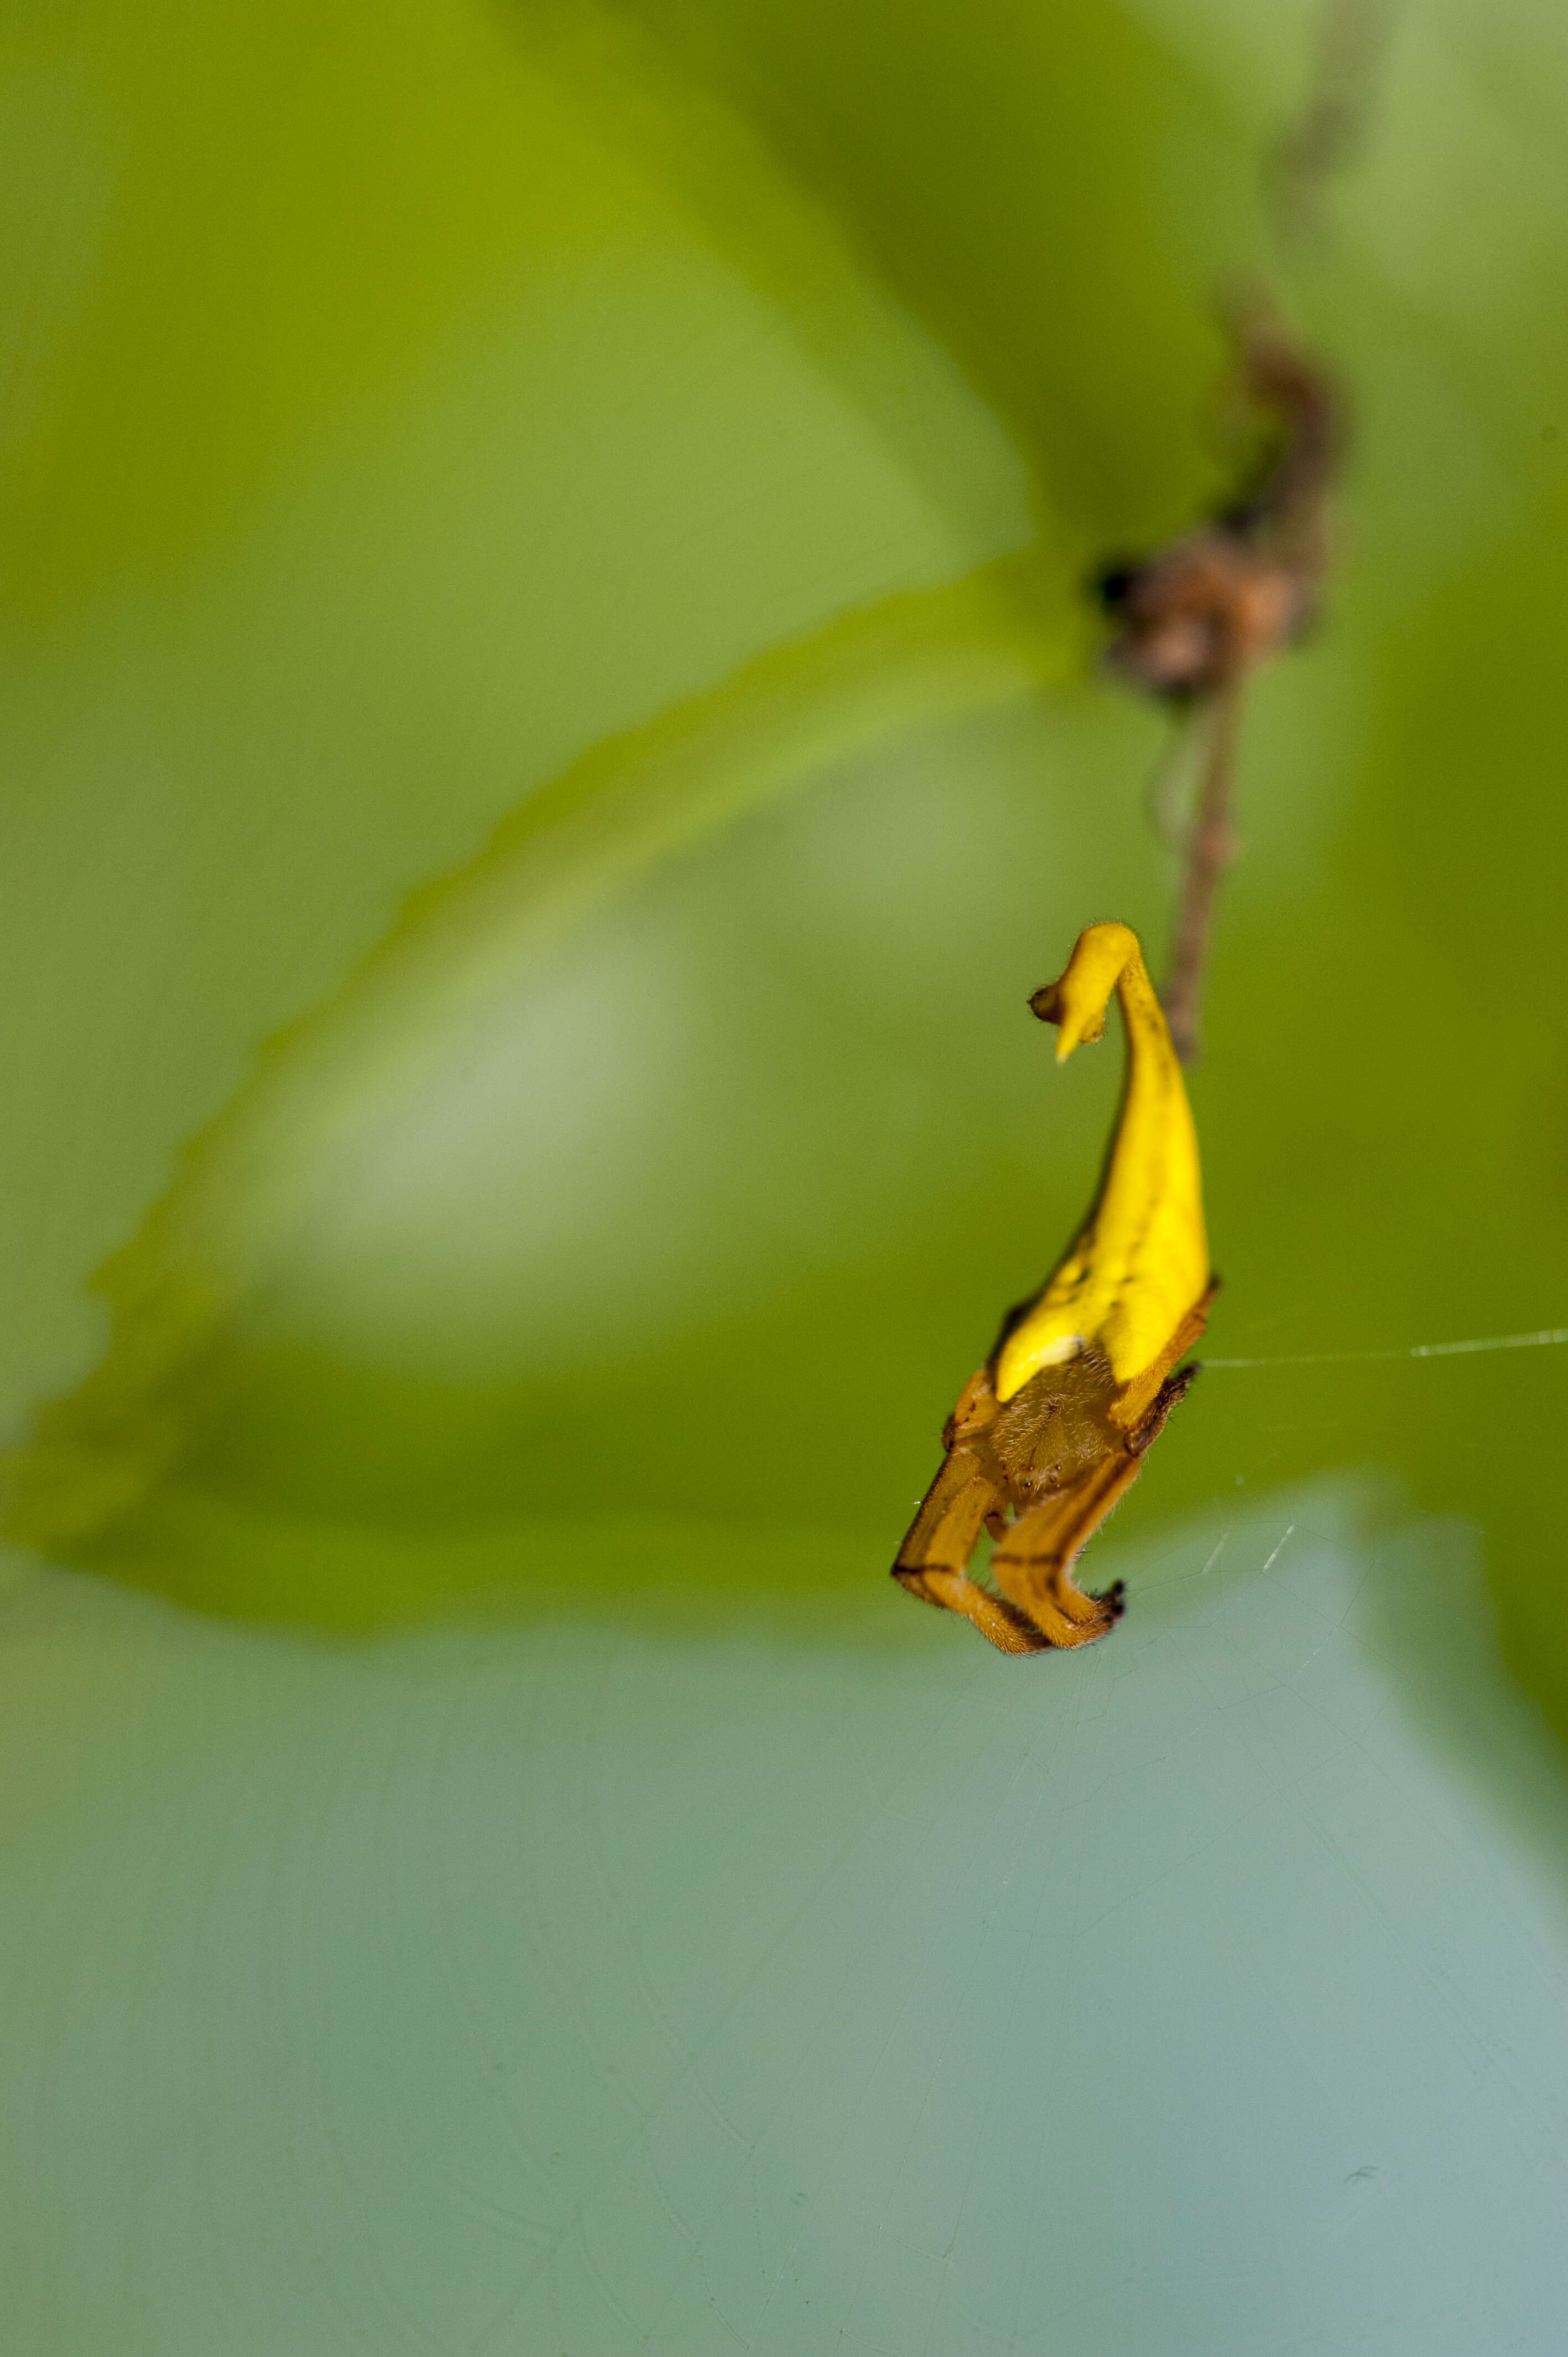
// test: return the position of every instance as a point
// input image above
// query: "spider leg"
(933, 1560)
(953, 1591)
(1033, 1565)
(1143, 1406)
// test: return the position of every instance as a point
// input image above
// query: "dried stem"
(1337, 116)
(1195, 618)
(1211, 847)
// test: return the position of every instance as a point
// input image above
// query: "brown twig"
(1336, 117)
(1195, 618)
(1211, 847)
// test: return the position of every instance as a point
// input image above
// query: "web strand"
(1543, 1340)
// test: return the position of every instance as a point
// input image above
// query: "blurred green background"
(551, 727)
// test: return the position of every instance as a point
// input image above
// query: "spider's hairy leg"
(1033, 1565)
(933, 1560)
(1147, 1421)
(953, 1591)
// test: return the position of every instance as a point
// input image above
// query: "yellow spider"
(1053, 1428)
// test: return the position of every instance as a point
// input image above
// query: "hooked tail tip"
(1048, 1006)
